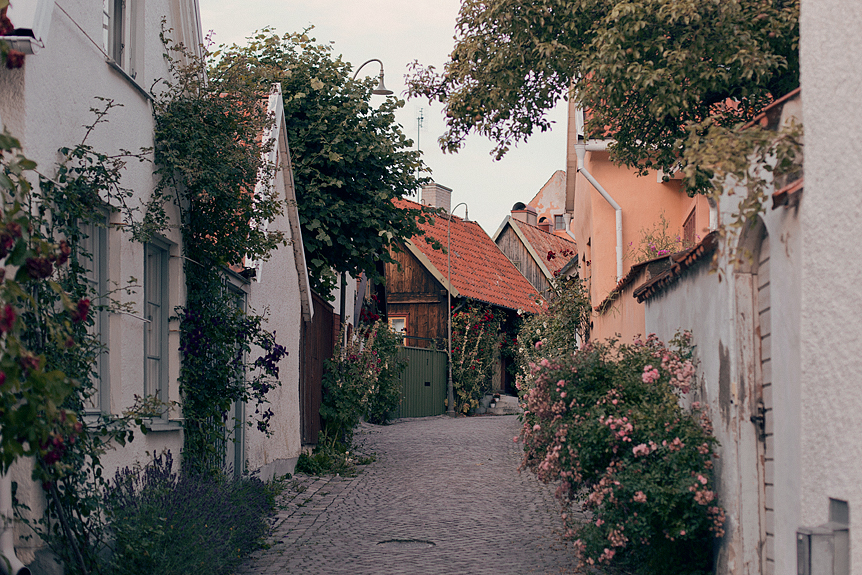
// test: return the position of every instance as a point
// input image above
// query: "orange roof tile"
(480, 270)
(680, 262)
(788, 196)
(545, 242)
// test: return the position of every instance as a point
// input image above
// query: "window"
(559, 222)
(689, 234)
(156, 312)
(119, 34)
(93, 256)
(398, 324)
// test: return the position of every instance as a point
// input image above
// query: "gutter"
(581, 150)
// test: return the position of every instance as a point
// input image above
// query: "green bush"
(167, 523)
(362, 380)
(606, 423)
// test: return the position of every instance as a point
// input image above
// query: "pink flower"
(640, 497)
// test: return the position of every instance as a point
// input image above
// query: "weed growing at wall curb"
(332, 457)
(169, 523)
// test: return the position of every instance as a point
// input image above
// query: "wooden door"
(763, 333)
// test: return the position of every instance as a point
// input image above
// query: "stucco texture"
(831, 216)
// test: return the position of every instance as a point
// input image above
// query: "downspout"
(9, 562)
(713, 214)
(580, 150)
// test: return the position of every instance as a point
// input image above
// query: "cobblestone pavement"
(443, 496)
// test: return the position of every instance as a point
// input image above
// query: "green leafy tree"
(644, 69)
(350, 158)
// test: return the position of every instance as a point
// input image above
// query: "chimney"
(524, 213)
(437, 196)
(545, 225)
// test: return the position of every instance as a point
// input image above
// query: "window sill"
(160, 425)
(119, 70)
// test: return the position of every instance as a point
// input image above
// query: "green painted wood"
(423, 383)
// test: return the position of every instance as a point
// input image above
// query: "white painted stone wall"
(831, 218)
(717, 308)
(46, 104)
(278, 293)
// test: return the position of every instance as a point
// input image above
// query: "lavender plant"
(170, 523)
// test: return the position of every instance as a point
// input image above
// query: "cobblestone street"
(443, 496)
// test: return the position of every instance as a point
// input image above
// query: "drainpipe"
(9, 562)
(580, 150)
(713, 214)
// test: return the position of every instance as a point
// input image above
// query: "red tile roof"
(680, 262)
(788, 196)
(763, 117)
(545, 242)
(480, 270)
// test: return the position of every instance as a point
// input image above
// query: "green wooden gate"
(423, 383)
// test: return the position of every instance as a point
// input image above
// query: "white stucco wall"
(278, 293)
(831, 320)
(716, 309)
(46, 104)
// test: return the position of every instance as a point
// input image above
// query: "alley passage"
(443, 496)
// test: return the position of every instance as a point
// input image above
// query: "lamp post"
(380, 90)
(450, 403)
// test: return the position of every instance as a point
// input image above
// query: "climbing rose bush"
(605, 424)
(476, 339)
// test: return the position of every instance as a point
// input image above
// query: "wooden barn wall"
(511, 245)
(414, 292)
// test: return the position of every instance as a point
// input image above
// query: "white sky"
(398, 32)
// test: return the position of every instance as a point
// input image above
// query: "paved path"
(452, 483)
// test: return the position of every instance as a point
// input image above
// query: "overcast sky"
(398, 32)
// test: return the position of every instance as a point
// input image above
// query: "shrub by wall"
(606, 424)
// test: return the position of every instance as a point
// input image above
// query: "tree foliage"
(643, 69)
(350, 158)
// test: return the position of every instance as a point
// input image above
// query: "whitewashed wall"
(720, 309)
(46, 104)
(831, 319)
(277, 291)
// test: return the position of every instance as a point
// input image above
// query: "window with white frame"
(92, 255)
(156, 311)
(559, 222)
(398, 324)
(119, 34)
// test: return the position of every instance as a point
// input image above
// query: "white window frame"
(156, 275)
(559, 222)
(95, 262)
(120, 35)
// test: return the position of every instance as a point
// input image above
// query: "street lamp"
(380, 90)
(450, 404)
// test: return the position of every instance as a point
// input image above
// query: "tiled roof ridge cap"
(682, 261)
(788, 96)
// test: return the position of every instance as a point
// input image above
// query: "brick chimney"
(545, 225)
(437, 196)
(524, 213)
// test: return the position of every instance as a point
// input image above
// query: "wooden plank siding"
(316, 346)
(514, 249)
(413, 292)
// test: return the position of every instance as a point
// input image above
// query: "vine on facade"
(209, 150)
